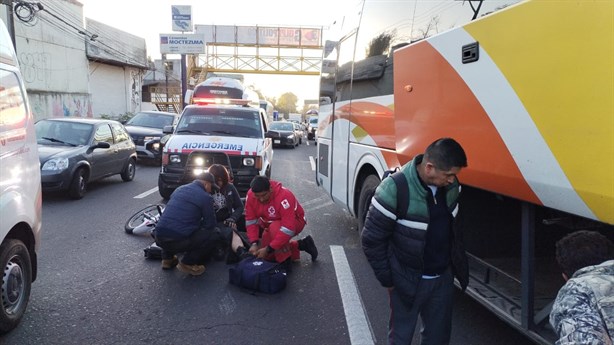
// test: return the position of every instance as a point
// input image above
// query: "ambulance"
(20, 190)
(217, 129)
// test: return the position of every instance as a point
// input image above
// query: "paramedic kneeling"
(188, 225)
(273, 217)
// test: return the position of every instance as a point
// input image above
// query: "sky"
(149, 19)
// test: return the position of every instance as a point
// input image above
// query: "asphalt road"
(95, 286)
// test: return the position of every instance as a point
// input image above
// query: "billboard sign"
(260, 35)
(182, 18)
(182, 44)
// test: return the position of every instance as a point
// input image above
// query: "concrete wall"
(118, 61)
(77, 67)
(53, 62)
(115, 90)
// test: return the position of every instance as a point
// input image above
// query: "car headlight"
(57, 164)
(151, 138)
(248, 162)
(290, 136)
(200, 161)
(175, 158)
(155, 146)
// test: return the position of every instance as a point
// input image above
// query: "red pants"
(290, 249)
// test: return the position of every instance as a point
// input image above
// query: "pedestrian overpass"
(248, 50)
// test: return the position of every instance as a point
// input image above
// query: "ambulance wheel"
(164, 190)
(16, 283)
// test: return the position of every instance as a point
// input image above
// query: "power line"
(28, 12)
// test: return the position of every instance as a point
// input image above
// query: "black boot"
(307, 245)
(242, 252)
(235, 256)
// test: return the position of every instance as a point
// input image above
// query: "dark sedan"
(145, 128)
(283, 134)
(75, 151)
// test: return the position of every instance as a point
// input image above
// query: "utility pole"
(165, 77)
(10, 20)
(184, 84)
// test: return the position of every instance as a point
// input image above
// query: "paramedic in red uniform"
(273, 217)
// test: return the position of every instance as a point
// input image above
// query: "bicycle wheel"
(149, 213)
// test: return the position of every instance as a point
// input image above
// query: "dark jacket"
(189, 208)
(227, 204)
(395, 247)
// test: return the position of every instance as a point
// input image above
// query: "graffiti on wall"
(35, 67)
(135, 96)
(46, 105)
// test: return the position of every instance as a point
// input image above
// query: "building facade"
(75, 66)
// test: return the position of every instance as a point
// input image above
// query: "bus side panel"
(441, 105)
(529, 142)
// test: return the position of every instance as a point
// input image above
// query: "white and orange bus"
(527, 88)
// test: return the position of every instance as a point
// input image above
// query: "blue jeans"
(433, 303)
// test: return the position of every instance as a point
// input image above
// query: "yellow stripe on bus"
(573, 110)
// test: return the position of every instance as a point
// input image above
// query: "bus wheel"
(364, 201)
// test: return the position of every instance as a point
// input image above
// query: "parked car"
(76, 151)
(145, 128)
(283, 134)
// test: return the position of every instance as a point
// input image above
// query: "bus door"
(335, 108)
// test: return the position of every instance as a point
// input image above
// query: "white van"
(20, 190)
(313, 128)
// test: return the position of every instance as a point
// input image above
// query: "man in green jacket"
(416, 256)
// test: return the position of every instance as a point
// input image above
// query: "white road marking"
(311, 209)
(315, 201)
(142, 195)
(359, 328)
(313, 163)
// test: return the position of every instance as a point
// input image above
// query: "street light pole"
(166, 77)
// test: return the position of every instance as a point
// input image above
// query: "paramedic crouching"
(188, 225)
(273, 216)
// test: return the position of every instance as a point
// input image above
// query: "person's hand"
(231, 223)
(254, 248)
(261, 253)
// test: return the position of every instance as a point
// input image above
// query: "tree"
(380, 44)
(286, 103)
(273, 101)
(431, 26)
(257, 91)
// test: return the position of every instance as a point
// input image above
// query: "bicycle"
(144, 221)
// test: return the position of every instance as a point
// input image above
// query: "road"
(95, 286)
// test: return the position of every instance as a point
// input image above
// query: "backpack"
(258, 275)
(402, 198)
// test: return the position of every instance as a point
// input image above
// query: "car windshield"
(313, 121)
(237, 122)
(151, 120)
(282, 126)
(63, 133)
